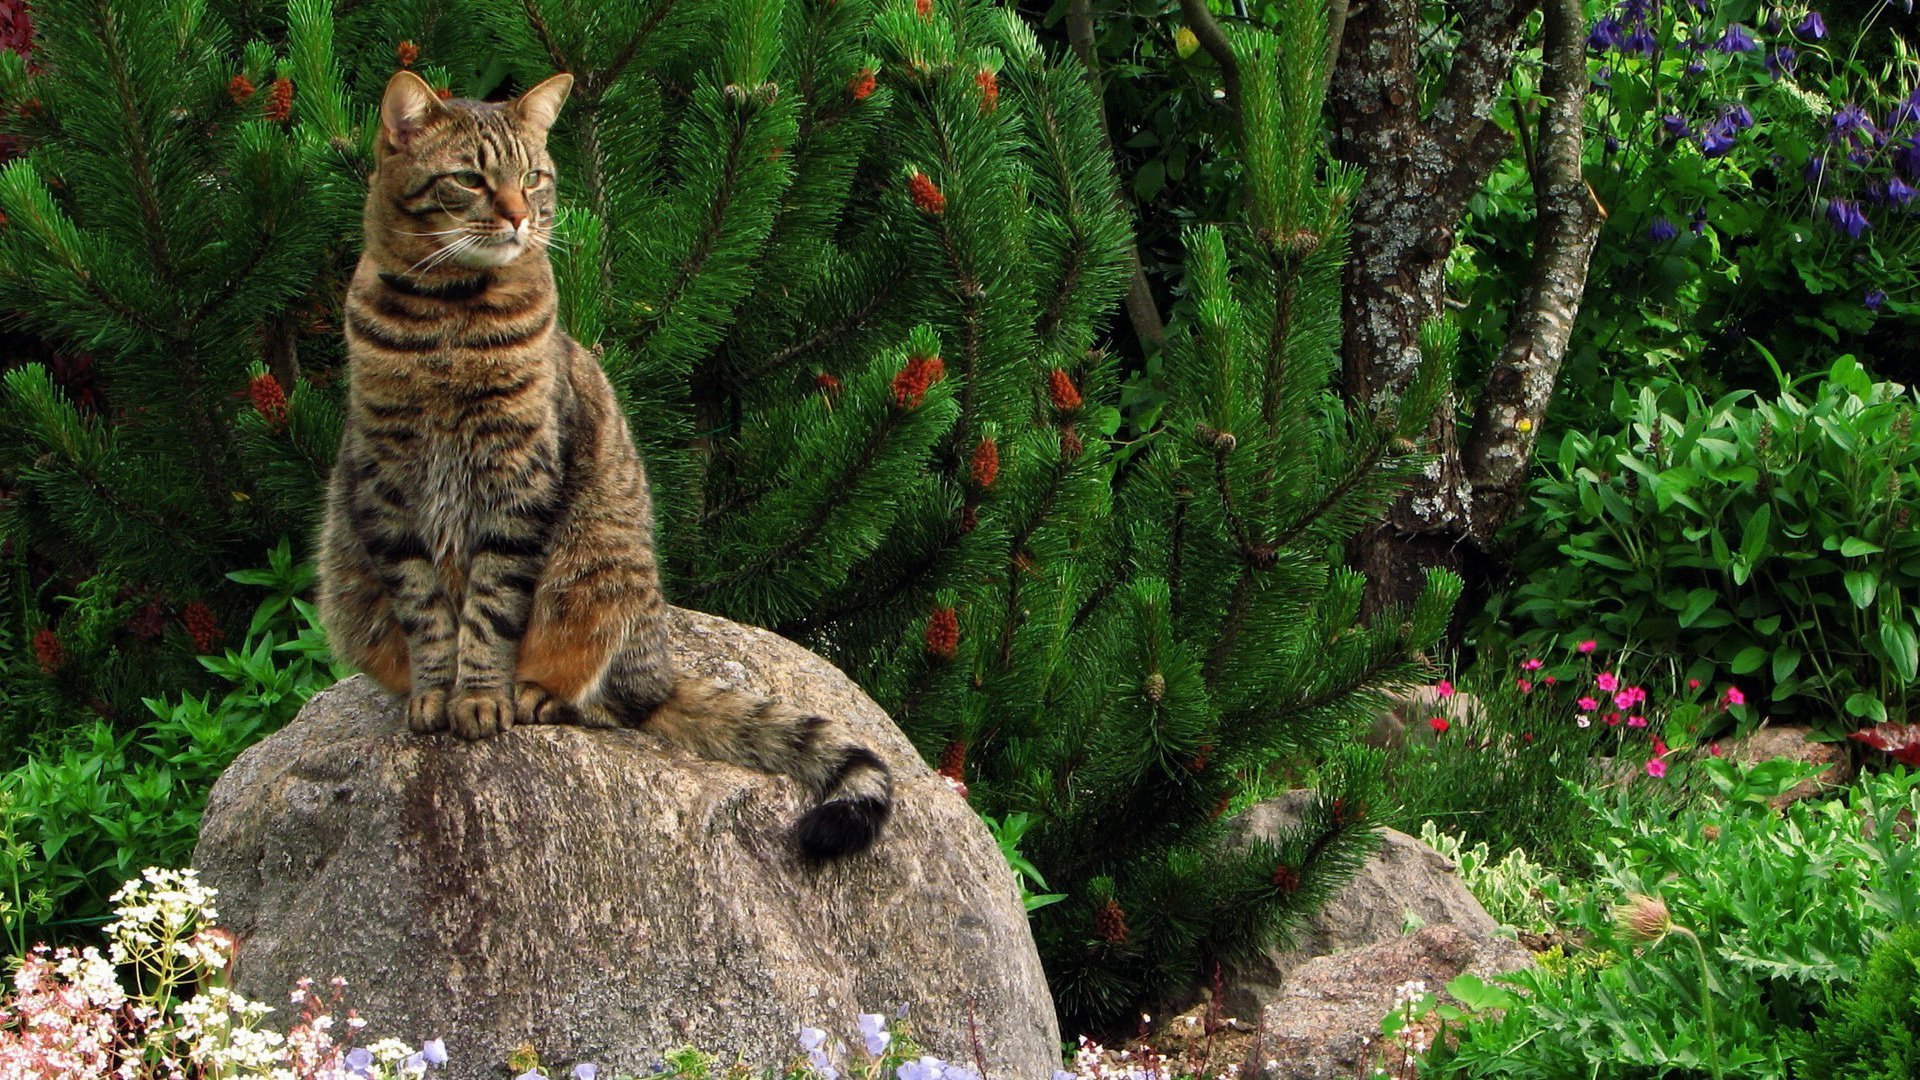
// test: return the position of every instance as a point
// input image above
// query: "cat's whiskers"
(443, 253)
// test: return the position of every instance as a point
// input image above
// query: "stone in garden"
(1405, 884)
(603, 898)
(1326, 1022)
(1795, 743)
(1409, 708)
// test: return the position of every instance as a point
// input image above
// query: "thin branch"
(1214, 40)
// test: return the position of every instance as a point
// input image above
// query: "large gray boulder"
(604, 898)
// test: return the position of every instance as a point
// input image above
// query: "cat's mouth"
(491, 249)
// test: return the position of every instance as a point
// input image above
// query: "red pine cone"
(925, 195)
(827, 383)
(924, 8)
(201, 626)
(1065, 395)
(1110, 923)
(989, 85)
(16, 27)
(444, 93)
(943, 633)
(862, 85)
(986, 463)
(408, 52)
(911, 384)
(969, 518)
(240, 89)
(279, 107)
(268, 397)
(953, 761)
(1199, 762)
(1286, 878)
(48, 651)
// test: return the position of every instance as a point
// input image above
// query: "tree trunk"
(1420, 173)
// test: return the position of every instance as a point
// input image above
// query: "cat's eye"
(467, 178)
(535, 178)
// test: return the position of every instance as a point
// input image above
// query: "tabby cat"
(488, 547)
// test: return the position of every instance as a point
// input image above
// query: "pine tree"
(849, 264)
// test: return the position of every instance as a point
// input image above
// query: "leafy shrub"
(101, 804)
(1515, 890)
(1783, 909)
(1768, 538)
(1872, 1032)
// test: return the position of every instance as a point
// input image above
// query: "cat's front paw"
(532, 704)
(427, 711)
(480, 714)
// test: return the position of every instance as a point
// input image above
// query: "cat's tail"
(725, 723)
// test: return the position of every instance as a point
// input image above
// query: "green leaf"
(1698, 602)
(1862, 585)
(1853, 547)
(1748, 660)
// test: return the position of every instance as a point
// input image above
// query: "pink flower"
(1714, 749)
(1612, 719)
(1656, 768)
(1443, 688)
(1586, 646)
(1439, 725)
(1735, 697)
(1531, 665)
(1550, 680)
(1525, 686)
(1586, 704)
(1693, 684)
(1607, 681)
(1636, 721)
(1659, 746)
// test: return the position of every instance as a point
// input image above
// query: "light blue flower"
(822, 1066)
(530, 1074)
(811, 1038)
(959, 1072)
(586, 1070)
(435, 1051)
(359, 1060)
(873, 1030)
(1062, 1074)
(927, 1068)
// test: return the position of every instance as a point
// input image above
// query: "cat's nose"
(516, 219)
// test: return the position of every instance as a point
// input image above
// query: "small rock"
(1326, 1022)
(1405, 884)
(1795, 743)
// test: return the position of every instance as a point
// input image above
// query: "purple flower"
(1613, 144)
(1815, 170)
(1898, 191)
(927, 1068)
(1907, 157)
(435, 1051)
(873, 1031)
(1813, 27)
(1907, 110)
(1780, 61)
(1676, 125)
(1640, 40)
(1739, 115)
(1873, 299)
(530, 1074)
(1717, 139)
(811, 1038)
(359, 1060)
(1737, 39)
(1699, 224)
(1661, 230)
(586, 1070)
(1846, 217)
(1852, 125)
(1607, 34)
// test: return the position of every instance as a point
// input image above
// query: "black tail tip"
(841, 827)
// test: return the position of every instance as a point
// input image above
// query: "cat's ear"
(409, 107)
(539, 107)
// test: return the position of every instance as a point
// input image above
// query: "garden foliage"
(1644, 1002)
(1766, 537)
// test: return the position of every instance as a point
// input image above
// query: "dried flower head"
(406, 52)
(926, 195)
(985, 466)
(862, 85)
(1643, 918)
(279, 106)
(240, 89)
(943, 633)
